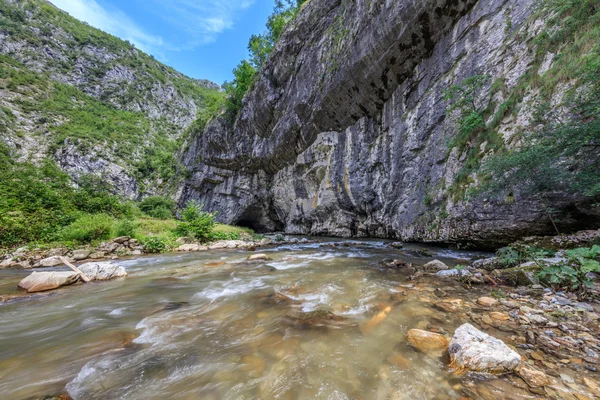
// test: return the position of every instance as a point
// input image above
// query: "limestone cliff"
(346, 131)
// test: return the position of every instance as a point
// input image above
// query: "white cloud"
(201, 20)
(189, 23)
(112, 21)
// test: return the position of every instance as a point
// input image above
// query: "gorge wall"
(346, 131)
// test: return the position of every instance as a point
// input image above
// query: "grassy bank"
(41, 207)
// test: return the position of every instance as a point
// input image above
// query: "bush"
(196, 223)
(155, 245)
(158, 207)
(88, 228)
(126, 227)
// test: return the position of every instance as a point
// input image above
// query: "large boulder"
(471, 349)
(42, 281)
(102, 271)
(427, 342)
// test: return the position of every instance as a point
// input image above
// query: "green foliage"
(243, 78)
(36, 202)
(88, 228)
(571, 274)
(126, 227)
(259, 47)
(158, 207)
(513, 256)
(196, 223)
(155, 244)
(224, 236)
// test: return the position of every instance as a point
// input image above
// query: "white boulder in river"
(102, 271)
(471, 349)
(42, 281)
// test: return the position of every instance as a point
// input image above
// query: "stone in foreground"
(471, 349)
(43, 281)
(427, 342)
(102, 271)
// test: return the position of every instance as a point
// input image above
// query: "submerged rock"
(258, 257)
(42, 281)
(102, 271)
(427, 342)
(471, 349)
(316, 319)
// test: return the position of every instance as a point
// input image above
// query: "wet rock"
(533, 377)
(518, 276)
(488, 264)
(258, 257)
(424, 253)
(397, 264)
(471, 349)
(435, 265)
(82, 254)
(102, 271)
(316, 319)
(397, 245)
(427, 342)
(450, 305)
(189, 247)
(453, 273)
(377, 319)
(487, 301)
(42, 281)
(53, 261)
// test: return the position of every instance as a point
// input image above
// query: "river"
(210, 325)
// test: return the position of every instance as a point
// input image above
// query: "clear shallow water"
(210, 326)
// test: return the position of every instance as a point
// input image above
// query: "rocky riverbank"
(126, 247)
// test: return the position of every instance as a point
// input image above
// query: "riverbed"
(211, 325)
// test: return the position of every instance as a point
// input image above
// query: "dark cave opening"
(257, 219)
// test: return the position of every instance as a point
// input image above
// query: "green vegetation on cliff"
(561, 154)
(260, 47)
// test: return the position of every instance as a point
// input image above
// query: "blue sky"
(201, 38)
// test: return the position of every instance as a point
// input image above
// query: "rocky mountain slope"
(91, 102)
(350, 129)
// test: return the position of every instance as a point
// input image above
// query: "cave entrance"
(257, 219)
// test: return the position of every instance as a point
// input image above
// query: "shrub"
(155, 244)
(88, 228)
(158, 207)
(196, 223)
(126, 227)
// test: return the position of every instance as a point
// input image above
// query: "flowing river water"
(210, 325)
